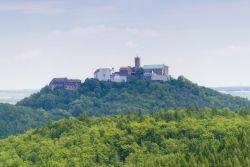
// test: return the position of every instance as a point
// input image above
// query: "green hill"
(172, 138)
(95, 98)
(105, 98)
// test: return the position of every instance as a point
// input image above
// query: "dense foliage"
(172, 138)
(15, 120)
(105, 98)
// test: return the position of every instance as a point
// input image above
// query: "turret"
(137, 63)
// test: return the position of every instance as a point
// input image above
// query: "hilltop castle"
(159, 72)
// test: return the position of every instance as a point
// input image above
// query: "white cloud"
(225, 66)
(29, 55)
(236, 51)
(91, 29)
(33, 7)
(57, 32)
(131, 44)
(144, 32)
(110, 30)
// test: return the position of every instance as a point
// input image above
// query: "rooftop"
(56, 80)
(125, 67)
(59, 79)
(154, 66)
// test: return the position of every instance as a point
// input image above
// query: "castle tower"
(137, 63)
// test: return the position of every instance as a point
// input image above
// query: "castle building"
(65, 83)
(155, 77)
(125, 71)
(156, 72)
(116, 77)
(103, 74)
(160, 69)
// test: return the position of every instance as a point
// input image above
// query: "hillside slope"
(105, 98)
(15, 120)
(171, 138)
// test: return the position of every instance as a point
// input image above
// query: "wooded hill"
(105, 98)
(95, 98)
(180, 138)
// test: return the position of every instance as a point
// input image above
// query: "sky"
(207, 41)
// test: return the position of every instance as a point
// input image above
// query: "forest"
(96, 98)
(16, 120)
(175, 138)
(106, 98)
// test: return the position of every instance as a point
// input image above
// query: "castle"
(159, 72)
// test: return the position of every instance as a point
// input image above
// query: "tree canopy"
(95, 98)
(106, 98)
(15, 120)
(190, 137)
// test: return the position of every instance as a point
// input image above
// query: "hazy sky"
(208, 41)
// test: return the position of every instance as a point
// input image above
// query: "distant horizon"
(12, 96)
(19, 89)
